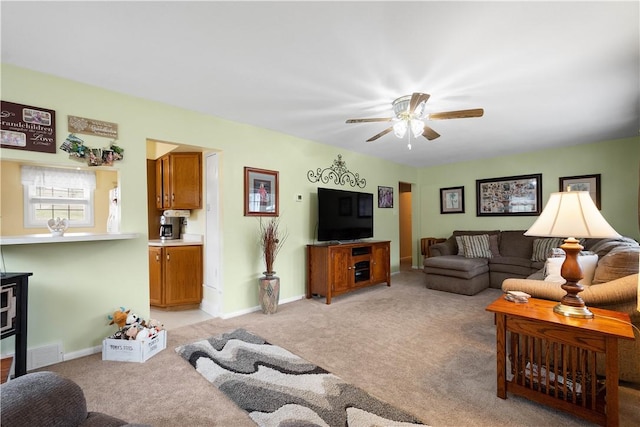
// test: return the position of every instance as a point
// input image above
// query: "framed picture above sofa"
(512, 195)
(590, 183)
(452, 200)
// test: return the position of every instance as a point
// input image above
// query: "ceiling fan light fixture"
(410, 113)
(401, 106)
(400, 128)
(417, 127)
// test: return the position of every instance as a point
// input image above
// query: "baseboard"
(39, 357)
(82, 353)
(210, 308)
(257, 308)
(98, 349)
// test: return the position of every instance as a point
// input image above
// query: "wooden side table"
(551, 359)
(425, 244)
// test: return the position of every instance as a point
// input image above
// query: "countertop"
(176, 242)
(68, 237)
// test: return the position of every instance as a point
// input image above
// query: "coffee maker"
(170, 227)
(171, 222)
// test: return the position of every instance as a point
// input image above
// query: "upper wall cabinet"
(179, 181)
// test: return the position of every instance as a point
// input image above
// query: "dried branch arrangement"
(271, 241)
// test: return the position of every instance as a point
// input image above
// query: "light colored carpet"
(426, 352)
(278, 388)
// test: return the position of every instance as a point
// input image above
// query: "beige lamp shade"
(571, 214)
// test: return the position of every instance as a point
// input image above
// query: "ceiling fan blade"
(430, 133)
(460, 114)
(383, 133)
(416, 99)
(380, 119)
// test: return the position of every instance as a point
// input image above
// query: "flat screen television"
(344, 215)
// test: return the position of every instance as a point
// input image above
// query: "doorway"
(211, 305)
(405, 226)
(212, 292)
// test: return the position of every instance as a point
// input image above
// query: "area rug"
(277, 388)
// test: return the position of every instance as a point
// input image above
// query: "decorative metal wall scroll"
(337, 172)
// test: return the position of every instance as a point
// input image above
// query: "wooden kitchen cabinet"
(179, 181)
(337, 269)
(175, 276)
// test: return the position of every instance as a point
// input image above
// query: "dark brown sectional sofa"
(447, 271)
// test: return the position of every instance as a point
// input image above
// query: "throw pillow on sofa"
(542, 247)
(493, 245)
(587, 263)
(460, 245)
(619, 262)
(476, 246)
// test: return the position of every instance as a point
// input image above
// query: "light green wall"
(75, 285)
(617, 162)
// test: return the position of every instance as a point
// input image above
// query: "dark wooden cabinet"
(14, 297)
(155, 275)
(337, 269)
(179, 181)
(175, 276)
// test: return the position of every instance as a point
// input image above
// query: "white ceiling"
(546, 73)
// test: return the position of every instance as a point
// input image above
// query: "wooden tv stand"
(335, 269)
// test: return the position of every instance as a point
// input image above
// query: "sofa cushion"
(516, 244)
(619, 262)
(456, 266)
(587, 264)
(517, 266)
(542, 247)
(476, 246)
(42, 398)
(494, 246)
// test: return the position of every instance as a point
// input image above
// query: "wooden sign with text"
(92, 127)
(28, 128)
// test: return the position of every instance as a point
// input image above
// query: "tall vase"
(269, 287)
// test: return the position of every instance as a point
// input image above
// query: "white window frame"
(30, 200)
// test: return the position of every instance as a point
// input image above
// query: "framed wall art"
(385, 197)
(25, 127)
(590, 183)
(513, 195)
(452, 200)
(261, 196)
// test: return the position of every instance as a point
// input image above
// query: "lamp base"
(571, 311)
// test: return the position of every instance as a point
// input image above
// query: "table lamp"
(572, 214)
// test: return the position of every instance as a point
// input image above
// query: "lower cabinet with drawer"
(175, 277)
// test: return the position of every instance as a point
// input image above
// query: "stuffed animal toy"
(155, 324)
(119, 317)
(130, 333)
(132, 319)
(143, 334)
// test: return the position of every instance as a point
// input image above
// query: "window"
(57, 193)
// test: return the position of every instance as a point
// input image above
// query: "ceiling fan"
(409, 113)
